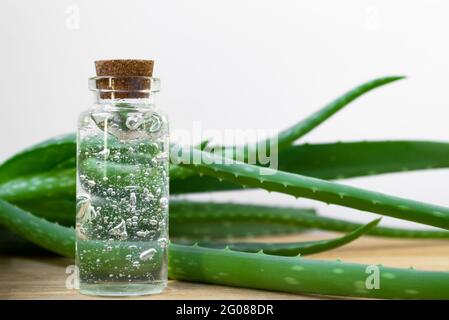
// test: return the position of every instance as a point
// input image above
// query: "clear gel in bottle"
(122, 184)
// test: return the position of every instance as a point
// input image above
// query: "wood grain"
(45, 277)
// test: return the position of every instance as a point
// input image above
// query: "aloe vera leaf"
(289, 135)
(202, 230)
(343, 160)
(56, 209)
(203, 144)
(255, 270)
(39, 158)
(317, 189)
(68, 163)
(188, 211)
(294, 248)
(338, 161)
(12, 244)
(209, 220)
(186, 214)
(177, 172)
(301, 275)
(45, 185)
(48, 235)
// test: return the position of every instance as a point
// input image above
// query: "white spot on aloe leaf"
(388, 275)
(338, 271)
(291, 280)
(298, 268)
(411, 291)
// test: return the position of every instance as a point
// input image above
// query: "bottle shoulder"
(122, 108)
(124, 119)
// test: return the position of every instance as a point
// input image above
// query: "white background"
(238, 64)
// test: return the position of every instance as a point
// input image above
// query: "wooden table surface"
(45, 277)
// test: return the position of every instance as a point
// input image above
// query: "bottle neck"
(133, 91)
(111, 100)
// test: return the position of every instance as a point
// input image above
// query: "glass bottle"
(122, 185)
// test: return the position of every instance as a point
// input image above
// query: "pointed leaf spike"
(288, 136)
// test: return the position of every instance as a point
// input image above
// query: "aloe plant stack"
(37, 192)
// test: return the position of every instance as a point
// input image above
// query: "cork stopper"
(125, 81)
(124, 68)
